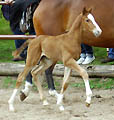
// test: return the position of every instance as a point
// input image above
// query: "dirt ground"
(102, 107)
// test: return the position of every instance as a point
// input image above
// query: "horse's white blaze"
(97, 31)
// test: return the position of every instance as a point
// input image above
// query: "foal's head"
(89, 23)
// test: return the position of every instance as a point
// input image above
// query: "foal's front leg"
(73, 65)
(67, 73)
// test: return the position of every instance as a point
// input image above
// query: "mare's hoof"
(22, 96)
(87, 104)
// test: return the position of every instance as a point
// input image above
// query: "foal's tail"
(19, 50)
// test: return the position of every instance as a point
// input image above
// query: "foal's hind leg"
(38, 69)
(73, 65)
(20, 78)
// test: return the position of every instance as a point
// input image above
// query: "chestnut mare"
(53, 17)
(58, 48)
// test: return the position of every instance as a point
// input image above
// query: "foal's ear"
(89, 10)
(85, 10)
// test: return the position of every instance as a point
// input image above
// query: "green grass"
(6, 46)
(7, 82)
(97, 83)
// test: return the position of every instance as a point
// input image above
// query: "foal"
(65, 48)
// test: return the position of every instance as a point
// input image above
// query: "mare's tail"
(19, 50)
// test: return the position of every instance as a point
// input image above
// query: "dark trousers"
(111, 53)
(18, 43)
(86, 49)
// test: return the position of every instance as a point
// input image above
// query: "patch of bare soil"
(102, 107)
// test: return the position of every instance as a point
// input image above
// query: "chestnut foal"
(65, 48)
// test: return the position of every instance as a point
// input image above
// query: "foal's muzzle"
(97, 32)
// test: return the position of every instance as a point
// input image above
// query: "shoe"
(107, 60)
(19, 58)
(88, 60)
(81, 60)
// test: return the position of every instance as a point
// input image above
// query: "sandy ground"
(102, 107)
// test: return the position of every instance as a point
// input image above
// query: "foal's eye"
(87, 20)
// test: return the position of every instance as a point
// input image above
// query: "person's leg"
(88, 50)
(18, 43)
(89, 54)
(82, 55)
(110, 57)
(111, 53)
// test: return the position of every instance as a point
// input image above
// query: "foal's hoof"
(87, 104)
(61, 108)
(22, 96)
(45, 103)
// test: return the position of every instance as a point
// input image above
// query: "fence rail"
(13, 37)
(3, 3)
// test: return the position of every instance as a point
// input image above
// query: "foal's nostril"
(98, 32)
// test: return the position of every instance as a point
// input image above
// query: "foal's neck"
(75, 30)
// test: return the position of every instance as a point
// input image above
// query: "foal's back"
(55, 47)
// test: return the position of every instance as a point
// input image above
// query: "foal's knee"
(84, 74)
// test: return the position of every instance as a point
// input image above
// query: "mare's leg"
(50, 80)
(65, 83)
(71, 63)
(38, 69)
(20, 78)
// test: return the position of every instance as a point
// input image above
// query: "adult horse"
(53, 17)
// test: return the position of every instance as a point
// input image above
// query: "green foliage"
(97, 83)
(6, 46)
(7, 82)
(4, 26)
(100, 53)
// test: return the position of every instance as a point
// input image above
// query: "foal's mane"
(76, 23)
